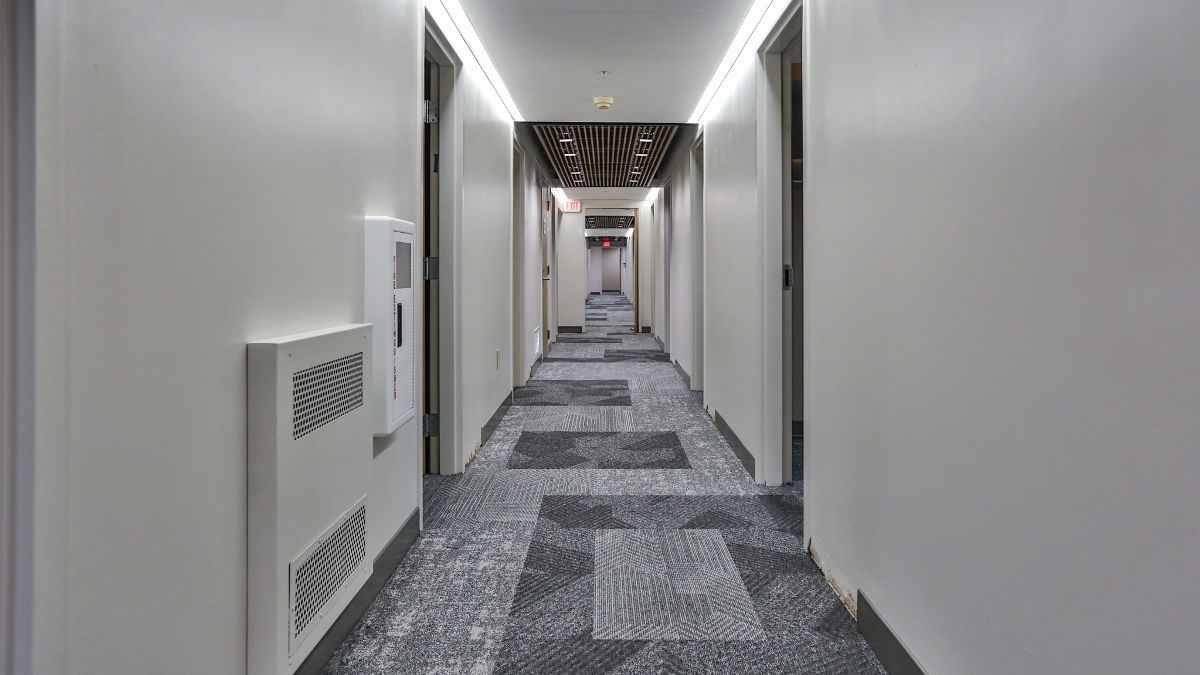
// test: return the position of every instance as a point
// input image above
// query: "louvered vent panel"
(606, 155)
(320, 573)
(323, 393)
(613, 222)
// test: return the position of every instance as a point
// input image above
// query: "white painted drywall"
(204, 169)
(627, 269)
(733, 302)
(527, 276)
(1002, 297)
(595, 269)
(646, 252)
(572, 270)
(484, 255)
(686, 266)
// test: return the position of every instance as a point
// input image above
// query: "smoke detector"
(603, 102)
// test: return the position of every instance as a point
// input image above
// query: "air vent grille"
(322, 574)
(323, 393)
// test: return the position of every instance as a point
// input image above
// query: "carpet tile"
(605, 526)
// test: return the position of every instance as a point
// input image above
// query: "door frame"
(8, 327)
(33, 476)
(451, 456)
(774, 170)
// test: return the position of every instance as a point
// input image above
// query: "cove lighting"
(454, 23)
(759, 20)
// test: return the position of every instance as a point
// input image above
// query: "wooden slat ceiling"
(606, 155)
(622, 222)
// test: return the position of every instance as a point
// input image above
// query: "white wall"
(527, 275)
(572, 270)
(483, 254)
(1002, 320)
(686, 250)
(627, 269)
(646, 252)
(595, 270)
(203, 173)
(734, 235)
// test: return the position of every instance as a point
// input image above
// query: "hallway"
(606, 526)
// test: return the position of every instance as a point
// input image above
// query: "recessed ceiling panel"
(606, 155)
(613, 222)
(658, 54)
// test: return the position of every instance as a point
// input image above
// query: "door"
(793, 260)
(431, 373)
(611, 270)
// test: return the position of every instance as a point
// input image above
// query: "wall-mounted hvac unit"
(389, 303)
(308, 472)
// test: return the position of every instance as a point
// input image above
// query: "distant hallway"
(608, 309)
(607, 527)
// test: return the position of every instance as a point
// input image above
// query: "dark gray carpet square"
(573, 392)
(598, 450)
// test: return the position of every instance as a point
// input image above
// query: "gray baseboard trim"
(660, 343)
(486, 432)
(570, 329)
(385, 565)
(645, 329)
(888, 648)
(734, 442)
(687, 379)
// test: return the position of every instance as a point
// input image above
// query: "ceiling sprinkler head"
(603, 102)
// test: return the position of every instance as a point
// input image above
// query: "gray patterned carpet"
(590, 537)
(608, 309)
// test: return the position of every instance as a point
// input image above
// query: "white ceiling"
(615, 194)
(660, 54)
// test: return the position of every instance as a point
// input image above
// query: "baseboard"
(645, 329)
(570, 329)
(888, 648)
(660, 343)
(486, 432)
(734, 442)
(687, 379)
(385, 565)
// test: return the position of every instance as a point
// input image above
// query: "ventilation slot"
(320, 573)
(323, 393)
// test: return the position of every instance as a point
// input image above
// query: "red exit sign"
(571, 207)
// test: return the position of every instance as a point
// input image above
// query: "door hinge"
(431, 425)
(431, 112)
(430, 270)
(789, 278)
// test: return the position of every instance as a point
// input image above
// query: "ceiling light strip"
(761, 17)
(454, 23)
